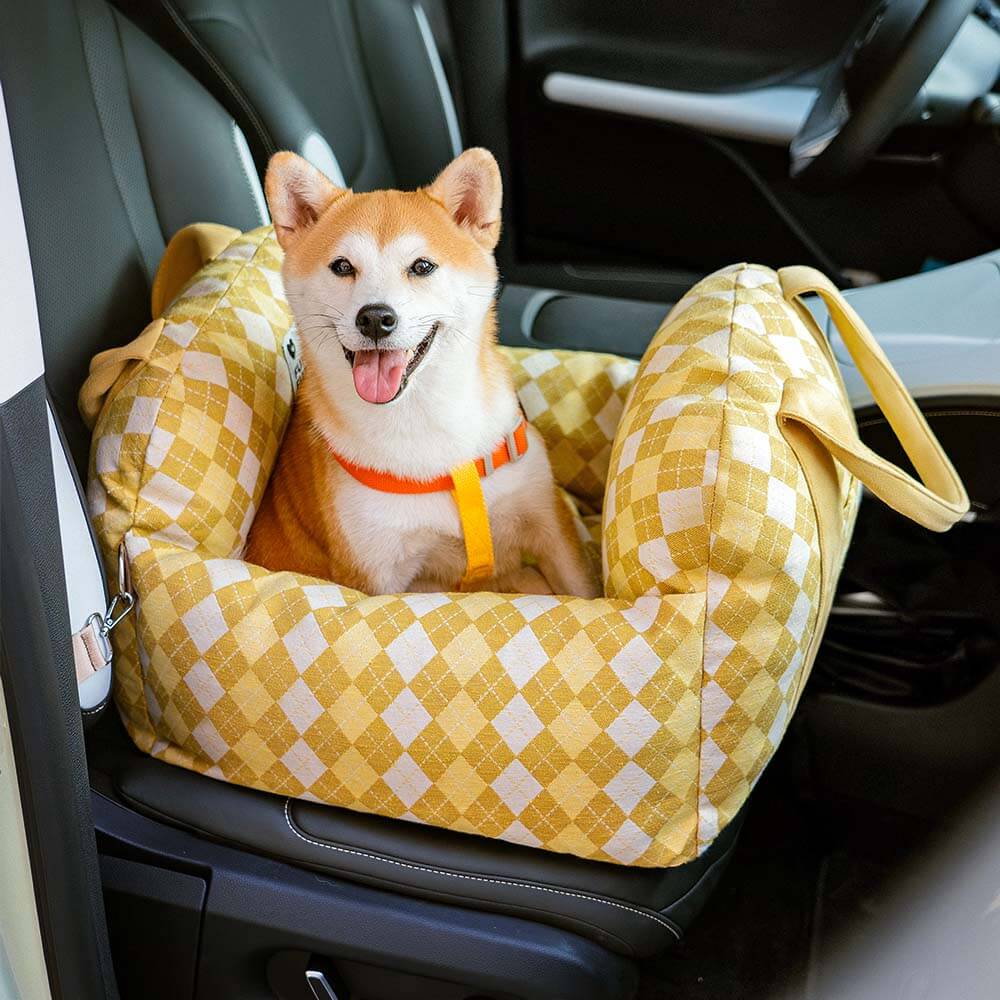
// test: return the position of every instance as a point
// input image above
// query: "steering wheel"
(870, 85)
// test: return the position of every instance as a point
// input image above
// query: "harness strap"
(471, 503)
(465, 484)
(510, 449)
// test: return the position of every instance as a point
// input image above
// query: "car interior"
(641, 147)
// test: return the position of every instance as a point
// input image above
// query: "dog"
(393, 296)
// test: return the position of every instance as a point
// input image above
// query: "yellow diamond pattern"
(627, 729)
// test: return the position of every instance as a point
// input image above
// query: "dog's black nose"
(376, 320)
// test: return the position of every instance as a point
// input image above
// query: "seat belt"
(91, 614)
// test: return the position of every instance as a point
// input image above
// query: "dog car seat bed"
(628, 729)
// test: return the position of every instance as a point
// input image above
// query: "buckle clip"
(121, 604)
(512, 451)
(119, 608)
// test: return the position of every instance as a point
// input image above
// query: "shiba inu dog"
(393, 298)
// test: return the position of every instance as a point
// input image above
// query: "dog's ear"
(471, 191)
(297, 195)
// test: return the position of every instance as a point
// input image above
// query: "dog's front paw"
(590, 590)
(525, 580)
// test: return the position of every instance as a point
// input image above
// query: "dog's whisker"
(462, 333)
(315, 333)
(317, 336)
(326, 316)
(316, 326)
(484, 291)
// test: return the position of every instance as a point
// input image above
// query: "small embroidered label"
(291, 347)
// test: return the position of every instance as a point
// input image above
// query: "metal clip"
(121, 604)
(515, 455)
(96, 624)
(113, 616)
(124, 580)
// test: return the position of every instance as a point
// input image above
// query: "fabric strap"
(110, 367)
(464, 483)
(939, 499)
(513, 446)
(91, 651)
(471, 503)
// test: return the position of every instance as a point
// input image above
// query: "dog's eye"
(421, 267)
(342, 267)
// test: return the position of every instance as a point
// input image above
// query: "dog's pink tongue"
(377, 374)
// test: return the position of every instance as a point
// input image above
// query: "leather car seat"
(116, 147)
(365, 90)
(358, 88)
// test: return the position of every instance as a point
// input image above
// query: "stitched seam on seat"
(448, 109)
(189, 826)
(256, 195)
(703, 676)
(148, 262)
(475, 878)
(723, 859)
(262, 132)
(364, 88)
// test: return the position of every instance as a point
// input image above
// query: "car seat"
(117, 146)
(360, 90)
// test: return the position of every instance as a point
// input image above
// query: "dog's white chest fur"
(401, 539)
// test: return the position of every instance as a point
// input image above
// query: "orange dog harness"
(464, 484)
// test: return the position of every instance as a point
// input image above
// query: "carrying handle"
(939, 499)
(188, 251)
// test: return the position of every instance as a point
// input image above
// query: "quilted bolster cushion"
(628, 729)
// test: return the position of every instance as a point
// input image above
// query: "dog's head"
(392, 287)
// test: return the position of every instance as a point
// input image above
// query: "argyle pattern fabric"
(627, 729)
(708, 497)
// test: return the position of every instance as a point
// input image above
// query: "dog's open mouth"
(380, 376)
